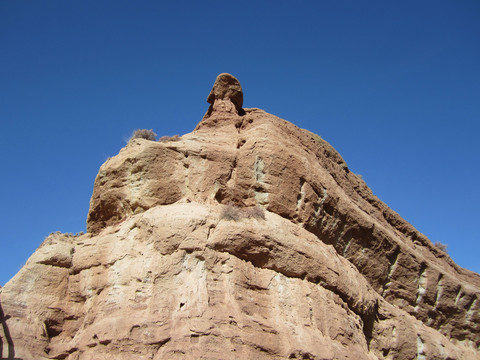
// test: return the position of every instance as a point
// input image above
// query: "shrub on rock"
(143, 134)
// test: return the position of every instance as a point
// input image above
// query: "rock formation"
(226, 96)
(248, 238)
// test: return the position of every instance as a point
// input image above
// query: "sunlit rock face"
(248, 238)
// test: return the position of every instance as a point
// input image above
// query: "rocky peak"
(226, 101)
(226, 95)
(247, 238)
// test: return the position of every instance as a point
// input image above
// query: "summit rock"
(248, 238)
(226, 89)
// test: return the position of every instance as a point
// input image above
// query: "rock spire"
(226, 96)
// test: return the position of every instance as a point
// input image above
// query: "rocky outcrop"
(326, 271)
(226, 96)
(179, 281)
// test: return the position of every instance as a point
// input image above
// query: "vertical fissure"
(422, 286)
(391, 269)
(438, 293)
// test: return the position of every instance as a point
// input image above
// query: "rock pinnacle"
(226, 96)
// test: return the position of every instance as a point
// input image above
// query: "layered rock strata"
(330, 272)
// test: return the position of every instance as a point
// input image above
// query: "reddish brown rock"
(330, 272)
(226, 96)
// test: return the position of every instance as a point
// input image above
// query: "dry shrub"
(143, 134)
(441, 246)
(169, 138)
(230, 212)
(255, 212)
(234, 213)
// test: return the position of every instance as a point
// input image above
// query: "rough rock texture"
(226, 96)
(163, 273)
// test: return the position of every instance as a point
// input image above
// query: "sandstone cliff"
(248, 238)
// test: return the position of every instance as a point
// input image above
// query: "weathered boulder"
(226, 96)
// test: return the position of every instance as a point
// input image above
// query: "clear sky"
(394, 86)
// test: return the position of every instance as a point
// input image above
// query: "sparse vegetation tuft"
(143, 134)
(235, 213)
(440, 246)
(169, 138)
(230, 212)
(254, 212)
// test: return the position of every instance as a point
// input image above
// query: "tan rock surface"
(179, 282)
(330, 273)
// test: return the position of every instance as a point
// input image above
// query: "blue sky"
(393, 86)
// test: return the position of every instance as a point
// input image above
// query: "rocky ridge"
(325, 271)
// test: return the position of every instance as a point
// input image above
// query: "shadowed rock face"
(330, 272)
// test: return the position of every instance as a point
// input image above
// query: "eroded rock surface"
(330, 273)
(226, 92)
